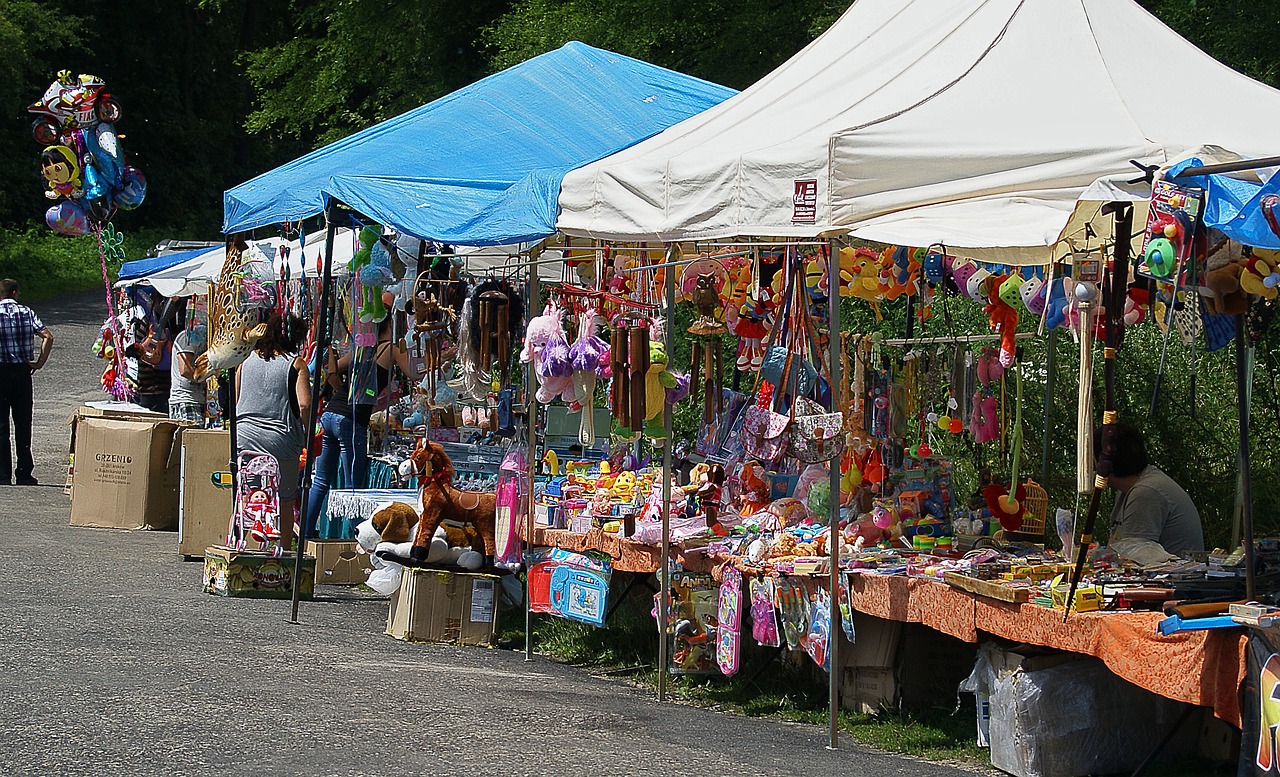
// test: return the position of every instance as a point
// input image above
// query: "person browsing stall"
(19, 326)
(1150, 505)
(345, 422)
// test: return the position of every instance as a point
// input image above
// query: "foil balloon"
(97, 194)
(67, 218)
(101, 142)
(133, 188)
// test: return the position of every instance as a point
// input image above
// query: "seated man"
(1149, 504)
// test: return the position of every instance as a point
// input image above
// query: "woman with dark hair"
(345, 421)
(273, 396)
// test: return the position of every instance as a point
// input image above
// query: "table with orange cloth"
(1204, 668)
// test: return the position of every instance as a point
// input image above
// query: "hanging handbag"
(816, 435)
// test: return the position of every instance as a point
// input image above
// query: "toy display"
(257, 504)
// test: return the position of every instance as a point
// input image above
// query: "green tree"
(353, 63)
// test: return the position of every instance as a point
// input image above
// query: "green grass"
(791, 688)
(46, 264)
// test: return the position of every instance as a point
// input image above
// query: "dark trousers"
(15, 399)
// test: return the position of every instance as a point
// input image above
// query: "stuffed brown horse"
(441, 501)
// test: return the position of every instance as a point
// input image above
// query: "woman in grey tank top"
(273, 397)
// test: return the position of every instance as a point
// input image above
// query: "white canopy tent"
(193, 276)
(981, 124)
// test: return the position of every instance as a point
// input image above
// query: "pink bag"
(764, 434)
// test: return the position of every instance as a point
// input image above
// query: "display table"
(1204, 668)
(358, 504)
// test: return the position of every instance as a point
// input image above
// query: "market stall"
(995, 132)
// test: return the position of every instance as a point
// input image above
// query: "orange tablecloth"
(1204, 668)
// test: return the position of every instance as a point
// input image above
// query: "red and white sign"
(804, 203)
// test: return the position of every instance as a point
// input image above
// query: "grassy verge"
(788, 688)
(45, 264)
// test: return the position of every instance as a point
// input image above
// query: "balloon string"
(119, 388)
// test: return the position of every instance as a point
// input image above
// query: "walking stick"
(1115, 323)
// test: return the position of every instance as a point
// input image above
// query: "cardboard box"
(868, 689)
(126, 474)
(931, 664)
(338, 562)
(204, 511)
(255, 575)
(875, 642)
(458, 608)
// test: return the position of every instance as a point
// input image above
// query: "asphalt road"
(112, 661)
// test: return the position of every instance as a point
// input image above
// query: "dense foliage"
(217, 91)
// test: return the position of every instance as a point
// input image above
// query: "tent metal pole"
(664, 571)
(1231, 167)
(531, 420)
(1242, 454)
(835, 632)
(323, 330)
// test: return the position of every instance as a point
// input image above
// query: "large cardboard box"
(255, 575)
(204, 511)
(126, 473)
(338, 562)
(458, 608)
(868, 689)
(875, 644)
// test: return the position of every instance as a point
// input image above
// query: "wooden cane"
(1115, 323)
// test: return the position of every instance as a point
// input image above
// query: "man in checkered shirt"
(19, 326)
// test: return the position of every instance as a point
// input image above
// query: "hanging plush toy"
(584, 357)
(1003, 316)
(866, 283)
(373, 276)
(657, 380)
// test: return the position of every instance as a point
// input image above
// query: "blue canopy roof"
(1241, 209)
(141, 267)
(482, 166)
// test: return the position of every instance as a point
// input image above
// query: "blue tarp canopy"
(482, 166)
(1240, 208)
(141, 267)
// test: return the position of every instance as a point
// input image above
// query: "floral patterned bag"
(764, 434)
(816, 435)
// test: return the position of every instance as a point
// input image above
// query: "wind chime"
(629, 360)
(494, 333)
(432, 321)
(707, 357)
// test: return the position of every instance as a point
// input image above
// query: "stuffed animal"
(442, 502)
(656, 382)
(1259, 277)
(546, 346)
(866, 283)
(1225, 295)
(1002, 316)
(753, 489)
(1057, 302)
(899, 272)
(373, 276)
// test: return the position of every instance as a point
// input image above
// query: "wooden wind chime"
(629, 359)
(707, 357)
(433, 320)
(495, 332)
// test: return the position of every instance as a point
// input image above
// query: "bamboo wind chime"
(707, 356)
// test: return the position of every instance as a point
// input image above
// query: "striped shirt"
(18, 327)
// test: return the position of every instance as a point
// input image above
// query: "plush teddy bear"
(1225, 295)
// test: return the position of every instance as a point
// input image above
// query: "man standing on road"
(19, 326)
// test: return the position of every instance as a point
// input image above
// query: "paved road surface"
(113, 662)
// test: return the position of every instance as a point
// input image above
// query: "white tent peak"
(978, 123)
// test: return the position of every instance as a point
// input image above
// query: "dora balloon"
(61, 170)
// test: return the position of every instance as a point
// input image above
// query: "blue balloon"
(67, 218)
(133, 189)
(102, 143)
(97, 194)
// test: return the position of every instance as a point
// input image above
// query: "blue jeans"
(345, 444)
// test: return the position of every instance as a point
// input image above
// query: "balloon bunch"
(83, 163)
